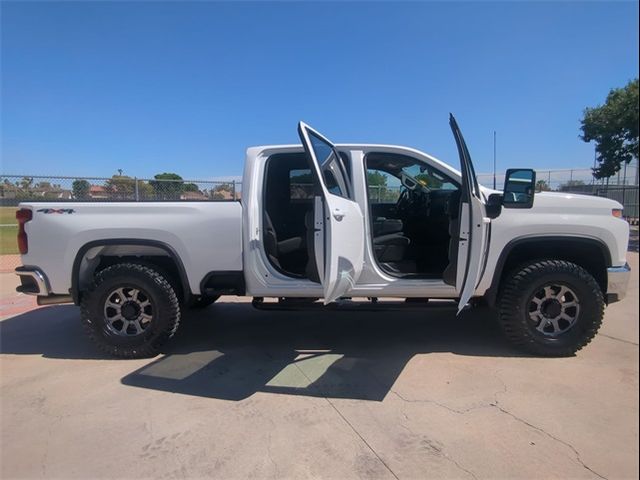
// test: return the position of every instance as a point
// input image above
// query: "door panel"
(338, 220)
(474, 225)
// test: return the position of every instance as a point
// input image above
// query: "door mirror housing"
(493, 207)
(519, 188)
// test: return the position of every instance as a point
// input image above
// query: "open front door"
(338, 220)
(474, 225)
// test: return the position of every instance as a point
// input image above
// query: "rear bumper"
(32, 281)
(617, 282)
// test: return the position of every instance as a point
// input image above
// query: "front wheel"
(550, 308)
(130, 310)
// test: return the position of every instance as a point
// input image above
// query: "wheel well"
(93, 258)
(591, 255)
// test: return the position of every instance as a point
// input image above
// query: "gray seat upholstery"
(389, 243)
(274, 247)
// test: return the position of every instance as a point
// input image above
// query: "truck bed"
(206, 236)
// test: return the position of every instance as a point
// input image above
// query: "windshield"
(427, 177)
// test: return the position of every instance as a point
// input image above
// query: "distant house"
(193, 196)
(98, 192)
(225, 195)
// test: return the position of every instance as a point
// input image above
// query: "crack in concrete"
(442, 405)
(351, 426)
(496, 406)
(553, 437)
(567, 444)
(444, 455)
(618, 339)
(276, 474)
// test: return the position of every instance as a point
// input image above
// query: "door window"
(331, 165)
(301, 186)
(383, 187)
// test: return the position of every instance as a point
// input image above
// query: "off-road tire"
(203, 301)
(513, 307)
(165, 318)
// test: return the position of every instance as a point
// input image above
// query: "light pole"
(494, 159)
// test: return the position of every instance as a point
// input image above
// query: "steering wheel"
(404, 202)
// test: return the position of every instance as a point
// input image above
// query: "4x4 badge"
(56, 210)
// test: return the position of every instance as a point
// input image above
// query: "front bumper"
(617, 282)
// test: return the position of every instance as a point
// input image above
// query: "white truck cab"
(322, 225)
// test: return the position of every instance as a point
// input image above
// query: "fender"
(75, 272)
(492, 291)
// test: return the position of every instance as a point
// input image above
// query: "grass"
(8, 243)
(8, 215)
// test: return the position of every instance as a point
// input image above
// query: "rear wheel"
(130, 310)
(551, 307)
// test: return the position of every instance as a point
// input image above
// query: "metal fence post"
(137, 192)
(233, 186)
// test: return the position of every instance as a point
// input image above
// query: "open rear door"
(474, 225)
(338, 220)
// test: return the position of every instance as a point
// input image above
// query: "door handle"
(338, 214)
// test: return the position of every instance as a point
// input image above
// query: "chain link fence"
(622, 187)
(119, 188)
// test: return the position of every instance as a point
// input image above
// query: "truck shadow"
(53, 332)
(337, 355)
(231, 351)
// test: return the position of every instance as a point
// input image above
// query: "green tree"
(121, 187)
(26, 183)
(614, 128)
(167, 186)
(190, 187)
(376, 178)
(80, 189)
(542, 186)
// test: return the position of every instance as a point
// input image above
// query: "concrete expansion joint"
(350, 425)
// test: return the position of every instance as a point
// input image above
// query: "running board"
(347, 304)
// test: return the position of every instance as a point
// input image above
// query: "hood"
(565, 201)
(574, 204)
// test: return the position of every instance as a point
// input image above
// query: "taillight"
(23, 216)
(616, 212)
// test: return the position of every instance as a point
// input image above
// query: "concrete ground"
(246, 394)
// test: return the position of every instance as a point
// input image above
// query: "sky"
(148, 87)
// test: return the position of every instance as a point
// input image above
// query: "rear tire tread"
(145, 350)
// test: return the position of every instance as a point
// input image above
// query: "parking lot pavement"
(242, 393)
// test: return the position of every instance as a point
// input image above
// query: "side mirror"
(519, 188)
(493, 206)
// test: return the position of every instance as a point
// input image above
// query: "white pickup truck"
(324, 226)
